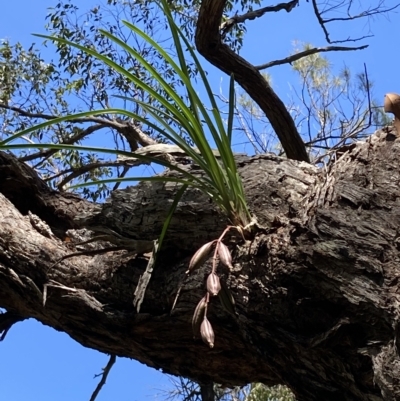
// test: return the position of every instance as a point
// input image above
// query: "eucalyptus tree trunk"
(316, 290)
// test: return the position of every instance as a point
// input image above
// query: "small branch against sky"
(251, 15)
(369, 12)
(124, 127)
(81, 134)
(305, 53)
(104, 376)
(331, 109)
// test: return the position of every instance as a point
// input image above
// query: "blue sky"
(39, 363)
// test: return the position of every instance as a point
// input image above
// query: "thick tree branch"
(305, 53)
(316, 292)
(28, 192)
(209, 44)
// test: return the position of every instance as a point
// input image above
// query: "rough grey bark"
(316, 291)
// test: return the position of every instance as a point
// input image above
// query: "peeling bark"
(316, 291)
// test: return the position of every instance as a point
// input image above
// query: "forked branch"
(369, 12)
(209, 44)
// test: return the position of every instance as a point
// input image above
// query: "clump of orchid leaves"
(220, 179)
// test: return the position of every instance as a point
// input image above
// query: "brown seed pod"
(198, 316)
(207, 332)
(392, 105)
(213, 284)
(200, 256)
(225, 255)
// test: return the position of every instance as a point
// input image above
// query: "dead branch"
(69, 141)
(368, 13)
(251, 15)
(133, 134)
(104, 375)
(305, 53)
(364, 14)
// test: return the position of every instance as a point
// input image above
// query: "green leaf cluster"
(220, 180)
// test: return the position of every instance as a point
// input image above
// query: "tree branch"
(131, 132)
(305, 53)
(7, 320)
(364, 14)
(70, 141)
(207, 392)
(237, 19)
(321, 21)
(76, 172)
(209, 44)
(104, 375)
(367, 13)
(313, 292)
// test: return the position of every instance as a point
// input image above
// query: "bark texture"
(316, 291)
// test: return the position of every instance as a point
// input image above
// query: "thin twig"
(76, 172)
(367, 13)
(305, 53)
(364, 14)
(45, 116)
(123, 174)
(104, 375)
(369, 95)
